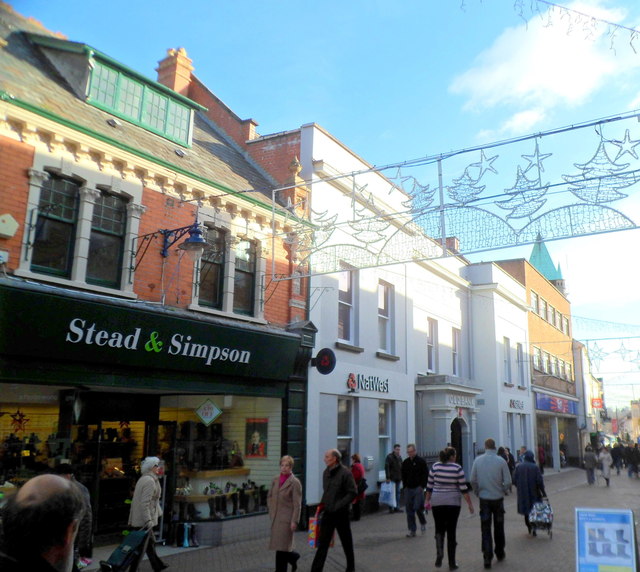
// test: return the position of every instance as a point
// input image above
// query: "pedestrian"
(446, 484)
(40, 523)
(357, 470)
(414, 480)
(590, 464)
(635, 459)
(339, 489)
(541, 458)
(529, 485)
(605, 462)
(490, 480)
(393, 473)
(511, 462)
(502, 452)
(616, 456)
(83, 547)
(145, 506)
(284, 501)
(521, 452)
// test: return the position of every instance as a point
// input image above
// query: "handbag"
(388, 494)
(362, 486)
(314, 532)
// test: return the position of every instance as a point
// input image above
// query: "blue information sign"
(605, 540)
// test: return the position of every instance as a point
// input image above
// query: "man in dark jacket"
(40, 522)
(393, 473)
(339, 490)
(414, 481)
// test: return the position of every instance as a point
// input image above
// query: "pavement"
(381, 544)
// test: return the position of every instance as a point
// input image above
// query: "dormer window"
(133, 100)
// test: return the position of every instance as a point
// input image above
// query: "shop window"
(432, 345)
(347, 288)
(345, 429)
(385, 316)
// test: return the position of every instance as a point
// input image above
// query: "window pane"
(155, 110)
(383, 418)
(344, 417)
(244, 277)
(178, 121)
(130, 99)
(344, 322)
(344, 286)
(212, 270)
(104, 82)
(105, 259)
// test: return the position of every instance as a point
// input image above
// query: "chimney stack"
(174, 71)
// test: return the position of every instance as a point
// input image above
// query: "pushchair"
(541, 517)
(128, 554)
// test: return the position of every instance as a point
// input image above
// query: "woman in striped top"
(445, 486)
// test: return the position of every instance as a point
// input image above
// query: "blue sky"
(399, 80)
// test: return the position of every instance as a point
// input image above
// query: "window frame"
(521, 363)
(349, 435)
(432, 345)
(384, 438)
(348, 303)
(506, 358)
(385, 316)
(456, 339)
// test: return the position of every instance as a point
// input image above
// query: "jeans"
(329, 522)
(492, 509)
(591, 476)
(414, 503)
(398, 486)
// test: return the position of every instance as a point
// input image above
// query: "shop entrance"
(109, 435)
(456, 440)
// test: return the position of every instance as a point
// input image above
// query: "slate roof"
(26, 74)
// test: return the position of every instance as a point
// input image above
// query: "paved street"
(380, 541)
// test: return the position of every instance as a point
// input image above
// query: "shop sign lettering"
(178, 344)
(461, 401)
(367, 383)
(516, 404)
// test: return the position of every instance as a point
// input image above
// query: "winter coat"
(339, 488)
(357, 470)
(605, 458)
(590, 460)
(284, 504)
(393, 467)
(145, 506)
(530, 485)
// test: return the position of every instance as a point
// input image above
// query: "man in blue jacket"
(491, 479)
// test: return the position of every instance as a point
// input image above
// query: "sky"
(400, 80)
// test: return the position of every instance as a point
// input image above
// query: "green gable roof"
(541, 260)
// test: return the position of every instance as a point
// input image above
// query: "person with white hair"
(145, 506)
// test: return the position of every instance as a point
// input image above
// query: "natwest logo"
(359, 382)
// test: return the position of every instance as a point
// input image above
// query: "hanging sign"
(596, 403)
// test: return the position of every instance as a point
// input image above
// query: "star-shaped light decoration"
(627, 145)
(596, 355)
(624, 352)
(536, 159)
(19, 421)
(485, 164)
(636, 360)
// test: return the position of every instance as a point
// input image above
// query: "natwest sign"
(366, 382)
(596, 403)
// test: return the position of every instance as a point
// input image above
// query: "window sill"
(349, 347)
(47, 279)
(507, 384)
(231, 315)
(388, 357)
(523, 387)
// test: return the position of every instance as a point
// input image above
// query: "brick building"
(138, 310)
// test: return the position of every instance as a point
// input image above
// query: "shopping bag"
(388, 494)
(314, 532)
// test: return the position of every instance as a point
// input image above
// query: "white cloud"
(549, 61)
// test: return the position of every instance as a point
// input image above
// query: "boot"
(622, 551)
(439, 550)
(281, 561)
(451, 554)
(185, 537)
(593, 549)
(592, 534)
(293, 560)
(193, 537)
(606, 549)
(601, 535)
(620, 536)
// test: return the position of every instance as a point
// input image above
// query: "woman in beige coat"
(284, 502)
(145, 506)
